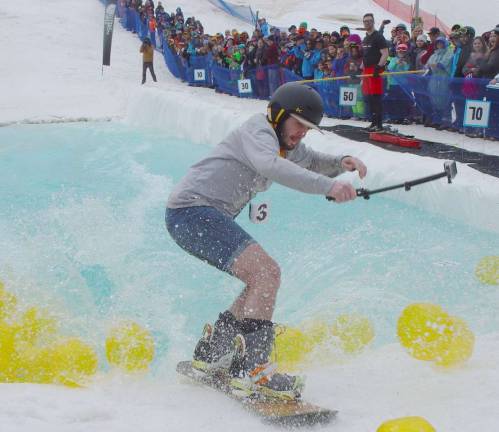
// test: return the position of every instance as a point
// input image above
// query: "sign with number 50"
(348, 96)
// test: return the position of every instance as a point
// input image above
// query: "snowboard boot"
(215, 349)
(253, 374)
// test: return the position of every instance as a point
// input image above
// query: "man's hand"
(378, 70)
(351, 163)
(342, 192)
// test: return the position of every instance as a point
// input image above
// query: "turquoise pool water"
(82, 233)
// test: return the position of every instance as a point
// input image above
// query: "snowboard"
(294, 413)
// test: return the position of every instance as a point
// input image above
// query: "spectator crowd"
(313, 54)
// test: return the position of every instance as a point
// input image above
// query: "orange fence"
(406, 12)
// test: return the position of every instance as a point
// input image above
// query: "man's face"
(293, 132)
(368, 23)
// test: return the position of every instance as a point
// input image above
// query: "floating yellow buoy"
(36, 326)
(8, 303)
(354, 331)
(457, 346)
(7, 352)
(487, 270)
(130, 347)
(70, 362)
(406, 424)
(31, 352)
(420, 328)
(429, 333)
(316, 331)
(290, 348)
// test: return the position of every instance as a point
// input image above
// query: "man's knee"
(267, 276)
(255, 266)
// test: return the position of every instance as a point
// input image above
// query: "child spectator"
(400, 106)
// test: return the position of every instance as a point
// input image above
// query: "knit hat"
(354, 39)
(422, 38)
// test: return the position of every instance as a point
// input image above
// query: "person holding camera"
(375, 54)
(147, 56)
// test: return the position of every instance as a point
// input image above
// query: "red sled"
(394, 139)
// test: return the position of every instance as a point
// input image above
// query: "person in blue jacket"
(311, 58)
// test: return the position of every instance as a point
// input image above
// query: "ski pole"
(450, 171)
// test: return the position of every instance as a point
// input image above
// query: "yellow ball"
(420, 329)
(316, 331)
(354, 331)
(8, 303)
(487, 270)
(456, 347)
(36, 326)
(290, 348)
(406, 424)
(70, 362)
(8, 364)
(130, 347)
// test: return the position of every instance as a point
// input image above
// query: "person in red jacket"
(434, 33)
(271, 55)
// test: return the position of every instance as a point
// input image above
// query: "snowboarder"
(200, 218)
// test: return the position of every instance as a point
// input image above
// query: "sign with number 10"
(199, 75)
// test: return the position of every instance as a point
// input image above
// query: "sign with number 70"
(476, 113)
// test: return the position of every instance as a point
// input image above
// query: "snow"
(52, 72)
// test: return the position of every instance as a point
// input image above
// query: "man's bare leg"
(262, 277)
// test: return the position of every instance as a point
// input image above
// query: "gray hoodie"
(247, 161)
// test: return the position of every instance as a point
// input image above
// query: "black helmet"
(297, 100)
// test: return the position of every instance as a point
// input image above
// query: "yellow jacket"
(147, 52)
